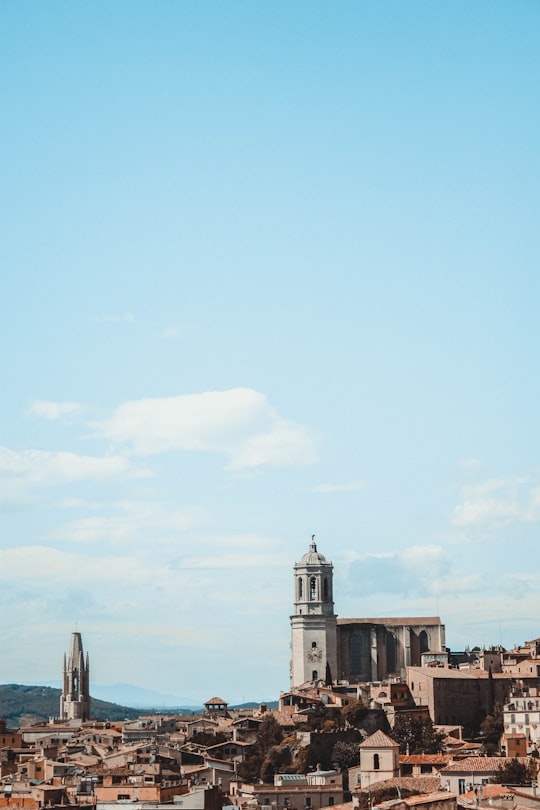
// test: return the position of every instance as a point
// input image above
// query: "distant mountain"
(141, 698)
(23, 705)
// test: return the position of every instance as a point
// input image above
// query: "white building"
(521, 715)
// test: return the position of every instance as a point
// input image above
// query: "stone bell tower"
(75, 699)
(313, 624)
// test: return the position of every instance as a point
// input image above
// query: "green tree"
(321, 714)
(269, 734)
(268, 737)
(345, 755)
(491, 729)
(277, 760)
(416, 735)
(515, 772)
(354, 714)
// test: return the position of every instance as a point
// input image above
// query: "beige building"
(454, 696)
(312, 792)
(354, 650)
(379, 760)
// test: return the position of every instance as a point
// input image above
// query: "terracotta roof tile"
(394, 621)
(417, 784)
(379, 740)
(480, 764)
(421, 759)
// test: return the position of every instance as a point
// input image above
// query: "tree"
(492, 728)
(354, 714)
(276, 761)
(269, 734)
(345, 755)
(268, 738)
(320, 714)
(515, 772)
(416, 735)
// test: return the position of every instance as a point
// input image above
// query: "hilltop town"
(379, 713)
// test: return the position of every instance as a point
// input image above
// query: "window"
(376, 764)
(313, 588)
(325, 588)
(461, 785)
(314, 675)
(300, 588)
(313, 645)
(330, 800)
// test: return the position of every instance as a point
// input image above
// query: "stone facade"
(354, 650)
(75, 698)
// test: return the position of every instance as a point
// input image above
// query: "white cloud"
(415, 571)
(498, 502)
(239, 423)
(53, 410)
(351, 486)
(136, 522)
(48, 568)
(43, 468)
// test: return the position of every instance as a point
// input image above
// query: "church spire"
(75, 699)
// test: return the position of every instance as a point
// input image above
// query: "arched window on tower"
(424, 641)
(325, 588)
(300, 587)
(313, 589)
(376, 764)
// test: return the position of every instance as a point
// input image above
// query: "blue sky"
(268, 270)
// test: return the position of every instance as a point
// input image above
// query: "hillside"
(22, 705)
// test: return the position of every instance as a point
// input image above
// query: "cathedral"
(75, 698)
(354, 650)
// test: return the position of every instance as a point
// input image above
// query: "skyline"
(270, 271)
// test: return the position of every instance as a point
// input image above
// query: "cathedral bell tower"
(75, 699)
(313, 624)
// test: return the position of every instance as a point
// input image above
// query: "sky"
(269, 270)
